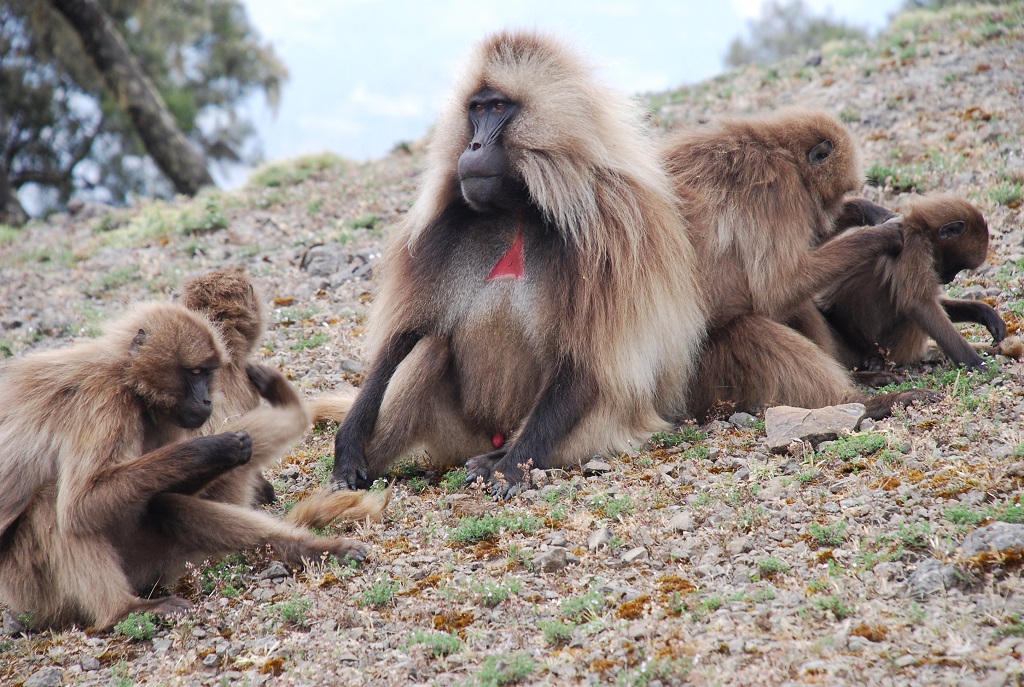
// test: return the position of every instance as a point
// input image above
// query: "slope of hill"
(701, 558)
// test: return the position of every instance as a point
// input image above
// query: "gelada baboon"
(886, 310)
(97, 485)
(760, 194)
(229, 299)
(538, 304)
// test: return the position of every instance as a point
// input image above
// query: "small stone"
(831, 507)
(786, 424)
(557, 539)
(352, 366)
(551, 561)
(290, 473)
(905, 447)
(599, 538)
(11, 625)
(161, 645)
(931, 577)
(198, 633)
(742, 420)
(211, 660)
(596, 467)
(538, 477)
(855, 643)
(347, 657)
(90, 664)
(904, 661)
(274, 571)
(867, 425)
(682, 522)
(1016, 470)
(999, 536)
(46, 677)
(738, 545)
(634, 555)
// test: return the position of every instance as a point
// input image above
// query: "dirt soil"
(701, 558)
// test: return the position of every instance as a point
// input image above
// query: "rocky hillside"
(891, 556)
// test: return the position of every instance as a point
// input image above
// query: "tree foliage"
(62, 131)
(785, 29)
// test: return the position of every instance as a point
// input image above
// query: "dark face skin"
(960, 246)
(195, 407)
(484, 170)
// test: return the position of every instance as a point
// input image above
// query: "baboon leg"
(198, 529)
(809, 321)
(756, 362)
(420, 408)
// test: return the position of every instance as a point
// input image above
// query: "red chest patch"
(512, 264)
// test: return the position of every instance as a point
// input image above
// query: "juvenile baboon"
(761, 193)
(887, 309)
(229, 299)
(97, 480)
(538, 304)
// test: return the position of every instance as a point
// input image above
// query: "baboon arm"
(833, 261)
(350, 468)
(931, 317)
(861, 212)
(115, 491)
(976, 311)
(273, 430)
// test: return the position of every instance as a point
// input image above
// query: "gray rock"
(325, 259)
(999, 536)
(90, 664)
(904, 661)
(557, 539)
(742, 420)
(738, 545)
(352, 366)
(682, 522)
(275, 570)
(46, 677)
(11, 625)
(552, 560)
(599, 538)
(1015, 470)
(931, 577)
(634, 555)
(596, 467)
(785, 424)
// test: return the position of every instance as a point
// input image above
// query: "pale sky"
(366, 74)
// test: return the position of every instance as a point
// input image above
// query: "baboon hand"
(498, 471)
(351, 470)
(266, 381)
(227, 450)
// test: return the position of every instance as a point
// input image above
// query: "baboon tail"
(333, 406)
(324, 506)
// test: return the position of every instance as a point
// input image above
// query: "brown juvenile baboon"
(538, 304)
(97, 481)
(760, 194)
(886, 310)
(229, 299)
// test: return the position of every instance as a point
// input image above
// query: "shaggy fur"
(888, 308)
(609, 312)
(97, 483)
(758, 207)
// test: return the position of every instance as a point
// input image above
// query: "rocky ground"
(888, 557)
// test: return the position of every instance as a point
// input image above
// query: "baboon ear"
(820, 152)
(952, 230)
(137, 342)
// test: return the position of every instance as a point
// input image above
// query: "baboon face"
(485, 172)
(195, 406)
(962, 245)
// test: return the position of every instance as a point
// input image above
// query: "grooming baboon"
(886, 310)
(538, 304)
(228, 297)
(97, 485)
(760, 194)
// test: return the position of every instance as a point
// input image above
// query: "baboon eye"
(820, 152)
(196, 372)
(952, 230)
(499, 106)
(479, 109)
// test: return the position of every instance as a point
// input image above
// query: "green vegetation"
(899, 179)
(686, 434)
(834, 604)
(137, 626)
(211, 218)
(580, 608)
(381, 593)
(439, 643)
(828, 535)
(507, 669)
(291, 172)
(848, 448)
(479, 528)
(614, 507)
(556, 632)
(292, 612)
(304, 343)
(492, 593)
(770, 567)
(1008, 194)
(454, 481)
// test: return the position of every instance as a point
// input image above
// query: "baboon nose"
(474, 146)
